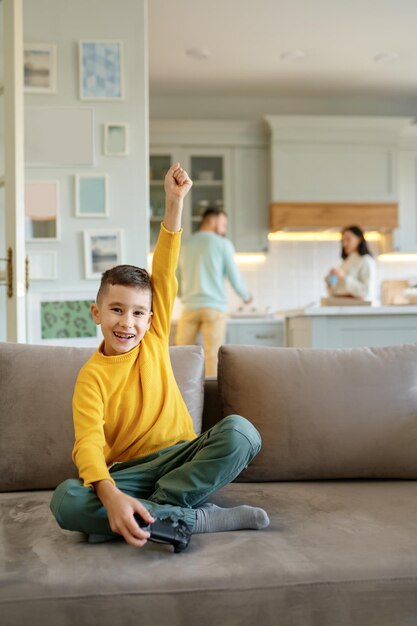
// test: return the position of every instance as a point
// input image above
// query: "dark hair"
(127, 275)
(212, 211)
(362, 247)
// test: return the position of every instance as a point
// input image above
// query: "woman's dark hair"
(362, 247)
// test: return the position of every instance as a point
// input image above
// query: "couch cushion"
(36, 386)
(336, 554)
(325, 413)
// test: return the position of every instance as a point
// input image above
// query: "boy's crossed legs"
(175, 482)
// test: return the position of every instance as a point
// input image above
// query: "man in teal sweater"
(206, 259)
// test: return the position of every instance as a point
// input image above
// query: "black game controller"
(168, 530)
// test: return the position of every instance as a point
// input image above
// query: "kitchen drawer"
(256, 334)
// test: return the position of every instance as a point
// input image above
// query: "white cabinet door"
(405, 237)
(256, 333)
(210, 170)
(334, 173)
(250, 209)
(160, 160)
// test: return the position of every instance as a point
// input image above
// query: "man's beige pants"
(212, 324)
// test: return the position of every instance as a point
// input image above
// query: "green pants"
(171, 482)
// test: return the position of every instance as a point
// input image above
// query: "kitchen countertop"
(254, 319)
(251, 319)
(320, 311)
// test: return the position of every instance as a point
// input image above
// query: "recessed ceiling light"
(293, 55)
(199, 54)
(386, 57)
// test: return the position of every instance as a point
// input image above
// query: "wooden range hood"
(299, 216)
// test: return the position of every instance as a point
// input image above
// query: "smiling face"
(124, 314)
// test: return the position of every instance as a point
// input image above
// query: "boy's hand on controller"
(177, 182)
(120, 510)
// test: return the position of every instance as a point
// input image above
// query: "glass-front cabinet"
(210, 171)
(159, 164)
(207, 173)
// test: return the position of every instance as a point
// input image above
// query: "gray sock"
(213, 519)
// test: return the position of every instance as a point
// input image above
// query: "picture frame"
(101, 70)
(59, 136)
(42, 221)
(62, 319)
(91, 195)
(42, 265)
(39, 68)
(116, 139)
(103, 249)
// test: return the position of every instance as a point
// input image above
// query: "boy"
(138, 457)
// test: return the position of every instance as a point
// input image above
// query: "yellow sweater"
(129, 406)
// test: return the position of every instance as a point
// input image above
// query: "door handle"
(8, 274)
(27, 273)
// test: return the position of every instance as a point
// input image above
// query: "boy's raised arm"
(177, 184)
(164, 282)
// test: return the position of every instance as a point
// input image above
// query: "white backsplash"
(293, 274)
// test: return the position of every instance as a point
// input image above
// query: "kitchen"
(325, 148)
(310, 208)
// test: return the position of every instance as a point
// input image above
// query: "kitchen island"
(253, 330)
(350, 326)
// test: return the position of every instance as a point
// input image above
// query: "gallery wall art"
(101, 70)
(62, 318)
(91, 195)
(42, 210)
(103, 249)
(39, 68)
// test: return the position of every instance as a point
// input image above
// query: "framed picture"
(116, 140)
(102, 250)
(101, 70)
(42, 210)
(62, 319)
(39, 68)
(91, 195)
(59, 136)
(42, 265)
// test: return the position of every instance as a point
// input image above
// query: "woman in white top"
(355, 276)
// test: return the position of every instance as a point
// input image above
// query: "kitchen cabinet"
(228, 162)
(351, 327)
(335, 159)
(249, 223)
(160, 161)
(249, 332)
(256, 332)
(405, 237)
(210, 171)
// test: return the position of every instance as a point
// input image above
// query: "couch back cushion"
(325, 414)
(36, 428)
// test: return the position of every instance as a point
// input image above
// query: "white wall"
(64, 23)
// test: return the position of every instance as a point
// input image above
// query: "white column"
(14, 164)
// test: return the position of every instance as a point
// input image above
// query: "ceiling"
(247, 39)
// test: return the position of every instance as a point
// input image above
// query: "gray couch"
(337, 474)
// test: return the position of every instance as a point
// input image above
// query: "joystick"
(168, 530)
